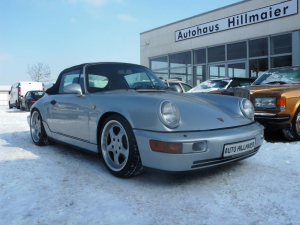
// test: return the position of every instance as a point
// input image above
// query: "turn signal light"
(32, 101)
(280, 101)
(168, 147)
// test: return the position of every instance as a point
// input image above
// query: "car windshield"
(221, 84)
(104, 77)
(279, 76)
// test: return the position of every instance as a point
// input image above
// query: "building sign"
(271, 12)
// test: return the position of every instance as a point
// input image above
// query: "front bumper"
(190, 159)
(272, 121)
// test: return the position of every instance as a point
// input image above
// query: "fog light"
(200, 146)
(168, 147)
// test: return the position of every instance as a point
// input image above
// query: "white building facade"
(239, 40)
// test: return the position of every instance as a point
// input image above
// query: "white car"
(178, 85)
(19, 90)
(221, 83)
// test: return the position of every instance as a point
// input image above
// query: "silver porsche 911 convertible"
(134, 121)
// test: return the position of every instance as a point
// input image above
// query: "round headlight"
(247, 108)
(169, 114)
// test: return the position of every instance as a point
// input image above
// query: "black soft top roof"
(54, 89)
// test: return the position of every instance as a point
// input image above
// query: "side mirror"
(9, 92)
(176, 88)
(73, 89)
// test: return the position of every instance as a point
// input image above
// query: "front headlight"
(270, 103)
(265, 102)
(169, 114)
(247, 108)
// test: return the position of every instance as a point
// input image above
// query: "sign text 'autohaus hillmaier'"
(255, 16)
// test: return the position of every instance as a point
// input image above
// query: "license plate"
(238, 148)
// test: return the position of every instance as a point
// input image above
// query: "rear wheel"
(17, 105)
(38, 133)
(292, 133)
(119, 148)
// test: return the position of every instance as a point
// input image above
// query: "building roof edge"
(201, 14)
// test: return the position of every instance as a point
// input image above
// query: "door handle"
(53, 102)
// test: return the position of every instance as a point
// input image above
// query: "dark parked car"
(30, 98)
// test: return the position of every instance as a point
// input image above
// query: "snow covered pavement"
(59, 185)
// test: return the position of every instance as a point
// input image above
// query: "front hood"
(271, 89)
(197, 111)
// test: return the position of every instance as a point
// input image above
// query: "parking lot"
(59, 185)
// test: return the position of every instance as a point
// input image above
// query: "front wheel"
(292, 133)
(38, 133)
(9, 105)
(119, 148)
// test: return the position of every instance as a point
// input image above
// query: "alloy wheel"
(115, 146)
(36, 126)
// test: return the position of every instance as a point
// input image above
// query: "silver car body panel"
(216, 119)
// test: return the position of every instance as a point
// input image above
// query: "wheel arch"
(103, 118)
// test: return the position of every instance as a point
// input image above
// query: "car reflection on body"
(146, 125)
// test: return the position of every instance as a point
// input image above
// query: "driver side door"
(70, 113)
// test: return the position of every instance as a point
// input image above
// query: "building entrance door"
(234, 69)
(217, 71)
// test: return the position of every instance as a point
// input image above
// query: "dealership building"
(240, 40)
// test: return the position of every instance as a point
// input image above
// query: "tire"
(26, 107)
(37, 131)
(119, 148)
(292, 133)
(9, 105)
(17, 105)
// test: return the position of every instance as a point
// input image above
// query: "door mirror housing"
(73, 89)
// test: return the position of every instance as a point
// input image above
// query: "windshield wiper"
(277, 82)
(144, 87)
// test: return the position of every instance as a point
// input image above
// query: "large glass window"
(257, 67)
(216, 71)
(181, 59)
(162, 74)
(200, 56)
(258, 47)
(184, 74)
(216, 54)
(237, 70)
(237, 51)
(200, 73)
(281, 61)
(159, 63)
(281, 44)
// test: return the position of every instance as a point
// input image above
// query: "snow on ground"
(59, 185)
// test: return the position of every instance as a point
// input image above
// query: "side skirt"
(70, 140)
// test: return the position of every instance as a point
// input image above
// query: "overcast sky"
(64, 33)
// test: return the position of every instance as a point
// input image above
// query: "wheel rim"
(298, 123)
(114, 145)
(35, 126)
